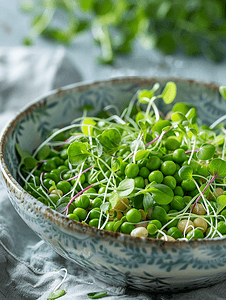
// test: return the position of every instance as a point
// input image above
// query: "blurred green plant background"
(193, 26)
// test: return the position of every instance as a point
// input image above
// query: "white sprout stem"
(116, 118)
(114, 107)
(65, 275)
(224, 146)
(149, 107)
(105, 195)
(192, 152)
(156, 111)
(218, 121)
(130, 107)
(137, 145)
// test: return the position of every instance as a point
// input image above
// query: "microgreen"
(97, 295)
(78, 153)
(136, 162)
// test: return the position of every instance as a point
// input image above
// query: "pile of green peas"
(55, 182)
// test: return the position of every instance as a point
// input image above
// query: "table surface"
(143, 62)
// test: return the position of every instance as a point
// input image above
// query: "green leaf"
(97, 295)
(160, 125)
(22, 153)
(206, 151)
(148, 202)
(77, 153)
(221, 203)
(185, 172)
(222, 90)
(30, 163)
(125, 187)
(145, 95)
(191, 115)
(161, 193)
(87, 126)
(141, 154)
(113, 199)
(178, 117)
(217, 167)
(105, 207)
(110, 139)
(56, 294)
(115, 165)
(169, 92)
(44, 152)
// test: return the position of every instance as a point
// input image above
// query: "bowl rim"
(72, 225)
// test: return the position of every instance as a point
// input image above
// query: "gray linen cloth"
(28, 266)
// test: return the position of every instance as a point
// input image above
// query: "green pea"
(62, 169)
(73, 216)
(221, 227)
(63, 154)
(95, 222)
(195, 234)
(64, 186)
(139, 182)
(144, 172)
(157, 223)
(168, 167)
(82, 201)
(166, 207)
(178, 191)
(36, 180)
(80, 212)
(188, 185)
(126, 227)
(109, 226)
(138, 201)
(177, 203)
(54, 198)
(174, 232)
(57, 161)
(142, 163)
(55, 175)
(153, 163)
(152, 229)
(132, 170)
(133, 215)
(167, 157)
(95, 213)
(93, 191)
(159, 213)
(177, 177)
(179, 156)
(96, 202)
(48, 165)
(156, 176)
(43, 200)
(170, 181)
(172, 143)
(187, 199)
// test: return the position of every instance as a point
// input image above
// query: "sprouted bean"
(137, 173)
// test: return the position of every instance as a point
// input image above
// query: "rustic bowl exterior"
(119, 259)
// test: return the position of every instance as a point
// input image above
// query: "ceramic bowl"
(116, 258)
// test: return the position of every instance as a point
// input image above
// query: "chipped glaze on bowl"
(119, 259)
